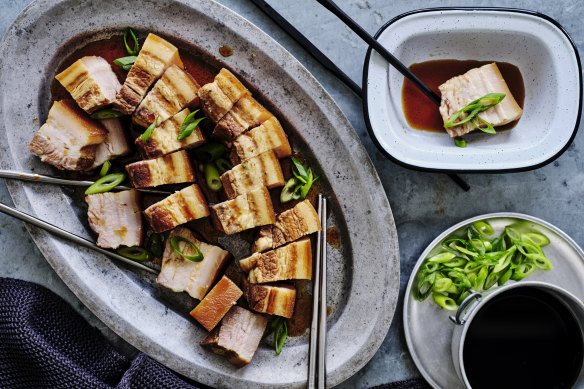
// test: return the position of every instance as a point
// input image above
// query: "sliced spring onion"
(304, 178)
(198, 257)
(189, 125)
(442, 285)
(223, 165)
(445, 302)
(212, 176)
(430, 267)
(299, 170)
(136, 48)
(456, 262)
(154, 245)
(523, 271)
(126, 63)
(135, 253)
(480, 279)
(442, 257)
(460, 142)
(484, 228)
(105, 183)
(459, 279)
(209, 152)
(505, 277)
(425, 286)
(148, 133)
(106, 114)
(288, 190)
(491, 280)
(474, 108)
(105, 168)
(280, 335)
(539, 239)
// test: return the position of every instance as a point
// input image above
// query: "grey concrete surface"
(423, 204)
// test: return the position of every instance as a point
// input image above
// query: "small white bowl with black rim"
(535, 43)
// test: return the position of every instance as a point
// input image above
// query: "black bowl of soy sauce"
(525, 337)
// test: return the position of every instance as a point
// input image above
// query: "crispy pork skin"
(218, 97)
(290, 262)
(178, 208)
(216, 303)
(268, 136)
(290, 225)
(245, 114)
(171, 93)
(182, 275)
(277, 299)
(91, 82)
(249, 210)
(173, 168)
(116, 218)
(69, 137)
(115, 143)
(164, 139)
(459, 91)
(262, 170)
(154, 58)
(238, 336)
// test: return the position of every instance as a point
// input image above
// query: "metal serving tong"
(317, 356)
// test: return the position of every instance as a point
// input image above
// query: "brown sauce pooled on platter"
(333, 238)
(422, 114)
(226, 51)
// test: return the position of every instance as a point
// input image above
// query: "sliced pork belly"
(115, 143)
(69, 137)
(116, 218)
(262, 170)
(217, 98)
(249, 210)
(459, 91)
(277, 299)
(290, 262)
(238, 336)
(182, 275)
(245, 114)
(267, 136)
(91, 82)
(216, 303)
(178, 208)
(154, 58)
(164, 139)
(174, 91)
(290, 225)
(173, 168)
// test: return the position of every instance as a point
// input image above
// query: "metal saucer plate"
(428, 330)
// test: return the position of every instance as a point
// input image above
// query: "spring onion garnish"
(148, 133)
(297, 187)
(105, 183)
(136, 48)
(154, 245)
(223, 165)
(106, 114)
(189, 125)
(105, 168)
(479, 261)
(288, 190)
(210, 152)
(212, 176)
(198, 257)
(460, 142)
(279, 328)
(473, 109)
(136, 253)
(126, 63)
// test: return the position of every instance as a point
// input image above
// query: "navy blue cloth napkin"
(44, 343)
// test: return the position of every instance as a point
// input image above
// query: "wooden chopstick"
(23, 176)
(69, 236)
(317, 351)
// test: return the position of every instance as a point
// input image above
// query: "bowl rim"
(396, 160)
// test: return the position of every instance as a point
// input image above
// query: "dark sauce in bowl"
(422, 114)
(523, 338)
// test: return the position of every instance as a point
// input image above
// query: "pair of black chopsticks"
(330, 66)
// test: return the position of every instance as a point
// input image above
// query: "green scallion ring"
(103, 114)
(198, 257)
(106, 183)
(223, 165)
(288, 190)
(209, 152)
(105, 168)
(135, 253)
(212, 177)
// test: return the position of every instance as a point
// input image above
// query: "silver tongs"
(317, 356)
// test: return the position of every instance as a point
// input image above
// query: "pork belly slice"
(262, 170)
(238, 336)
(115, 143)
(68, 138)
(459, 91)
(268, 136)
(290, 225)
(116, 218)
(173, 168)
(154, 58)
(164, 139)
(178, 208)
(249, 210)
(277, 299)
(217, 98)
(182, 275)
(245, 114)
(174, 91)
(91, 82)
(290, 262)
(216, 303)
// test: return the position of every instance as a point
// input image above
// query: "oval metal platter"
(363, 272)
(427, 328)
